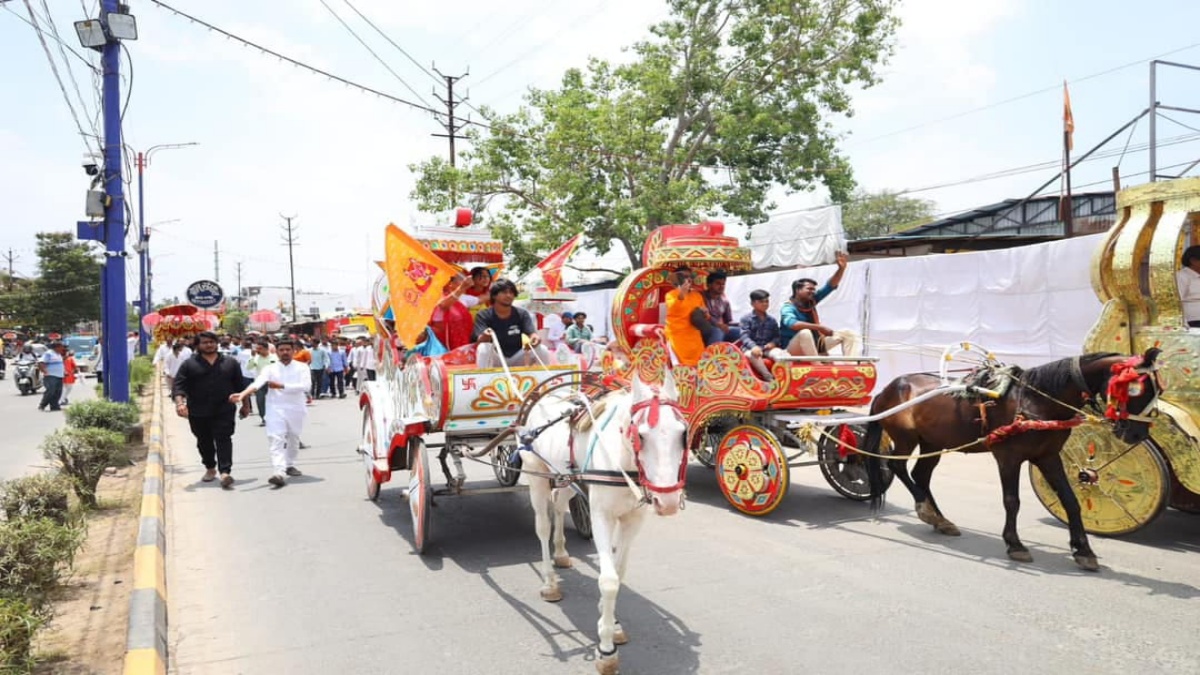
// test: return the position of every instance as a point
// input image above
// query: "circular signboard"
(205, 294)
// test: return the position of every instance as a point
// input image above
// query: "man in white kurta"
(288, 384)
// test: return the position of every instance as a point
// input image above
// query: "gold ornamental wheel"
(1120, 487)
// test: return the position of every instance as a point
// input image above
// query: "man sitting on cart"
(503, 330)
(800, 328)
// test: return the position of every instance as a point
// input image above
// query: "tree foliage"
(67, 290)
(875, 214)
(234, 322)
(725, 100)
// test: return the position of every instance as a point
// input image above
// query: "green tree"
(68, 285)
(234, 322)
(16, 302)
(726, 99)
(874, 214)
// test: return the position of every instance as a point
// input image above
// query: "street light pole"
(143, 248)
(116, 361)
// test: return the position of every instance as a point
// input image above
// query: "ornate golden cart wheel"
(752, 470)
(1120, 487)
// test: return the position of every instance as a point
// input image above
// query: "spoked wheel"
(846, 470)
(706, 446)
(502, 458)
(420, 493)
(581, 515)
(752, 470)
(1120, 487)
(367, 448)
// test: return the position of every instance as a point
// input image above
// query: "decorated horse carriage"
(751, 430)
(473, 409)
(1121, 487)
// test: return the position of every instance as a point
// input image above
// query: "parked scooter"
(27, 377)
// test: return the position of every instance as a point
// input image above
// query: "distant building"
(1009, 223)
(308, 305)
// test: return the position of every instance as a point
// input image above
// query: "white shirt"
(132, 343)
(243, 359)
(174, 361)
(1188, 280)
(160, 356)
(369, 357)
(556, 331)
(295, 378)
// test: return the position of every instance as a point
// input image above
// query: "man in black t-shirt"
(505, 331)
(201, 392)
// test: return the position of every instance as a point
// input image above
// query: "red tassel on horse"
(848, 439)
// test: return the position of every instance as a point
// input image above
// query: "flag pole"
(1068, 208)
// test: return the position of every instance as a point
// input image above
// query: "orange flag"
(1068, 118)
(552, 266)
(416, 278)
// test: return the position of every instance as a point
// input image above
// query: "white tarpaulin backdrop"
(1029, 305)
(802, 238)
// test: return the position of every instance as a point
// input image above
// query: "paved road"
(315, 579)
(24, 426)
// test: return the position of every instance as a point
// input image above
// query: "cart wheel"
(1129, 488)
(501, 458)
(752, 470)
(367, 448)
(848, 474)
(581, 515)
(706, 446)
(420, 493)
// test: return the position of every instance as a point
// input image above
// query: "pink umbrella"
(150, 321)
(265, 321)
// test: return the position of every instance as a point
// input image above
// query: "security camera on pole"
(104, 35)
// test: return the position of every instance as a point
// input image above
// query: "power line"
(294, 62)
(392, 42)
(1019, 97)
(66, 46)
(67, 64)
(58, 78)
(372, 52)
(558, 35)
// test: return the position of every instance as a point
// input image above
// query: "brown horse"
(1044, 401)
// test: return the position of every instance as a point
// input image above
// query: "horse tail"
(875, 479)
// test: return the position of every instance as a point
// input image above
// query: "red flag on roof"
(552, 266)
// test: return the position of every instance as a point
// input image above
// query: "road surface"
(24, 426)
(315, 579)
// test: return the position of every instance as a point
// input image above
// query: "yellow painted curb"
(149, 569)
(144, 662)
(152, 506)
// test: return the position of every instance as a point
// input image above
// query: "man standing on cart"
(503, 330)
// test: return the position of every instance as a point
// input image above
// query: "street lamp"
(144, 288)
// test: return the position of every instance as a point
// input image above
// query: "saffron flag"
(1068, 118)
(415, 279)
(552, 266)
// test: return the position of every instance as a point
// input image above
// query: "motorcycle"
(27, 378)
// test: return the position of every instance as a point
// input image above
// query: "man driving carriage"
(506, 331)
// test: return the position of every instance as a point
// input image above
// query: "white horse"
(632, 453)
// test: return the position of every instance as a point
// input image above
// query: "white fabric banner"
(803, 238)
(1029, 305)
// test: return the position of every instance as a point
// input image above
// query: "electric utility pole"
(10, 258)
(238, 266)
(290, 240)
(452, 125)
(216, 262)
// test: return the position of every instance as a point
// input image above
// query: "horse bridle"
(649, 411)
(1127, 379)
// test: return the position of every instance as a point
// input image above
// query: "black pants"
(260, 397)
(318, 376)
(53, 393)
(337, 383)
(214, 440)
(370, 376)
(1194, 324)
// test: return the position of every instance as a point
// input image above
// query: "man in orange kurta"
(683, 336)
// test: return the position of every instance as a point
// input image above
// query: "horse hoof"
(1087, 562)
(551, 594)
(620, 637)
(948, 528)
(926, 513)
(1021, 556)
(564, 562)
(608, 665)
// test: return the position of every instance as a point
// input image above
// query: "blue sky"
(274, 139)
